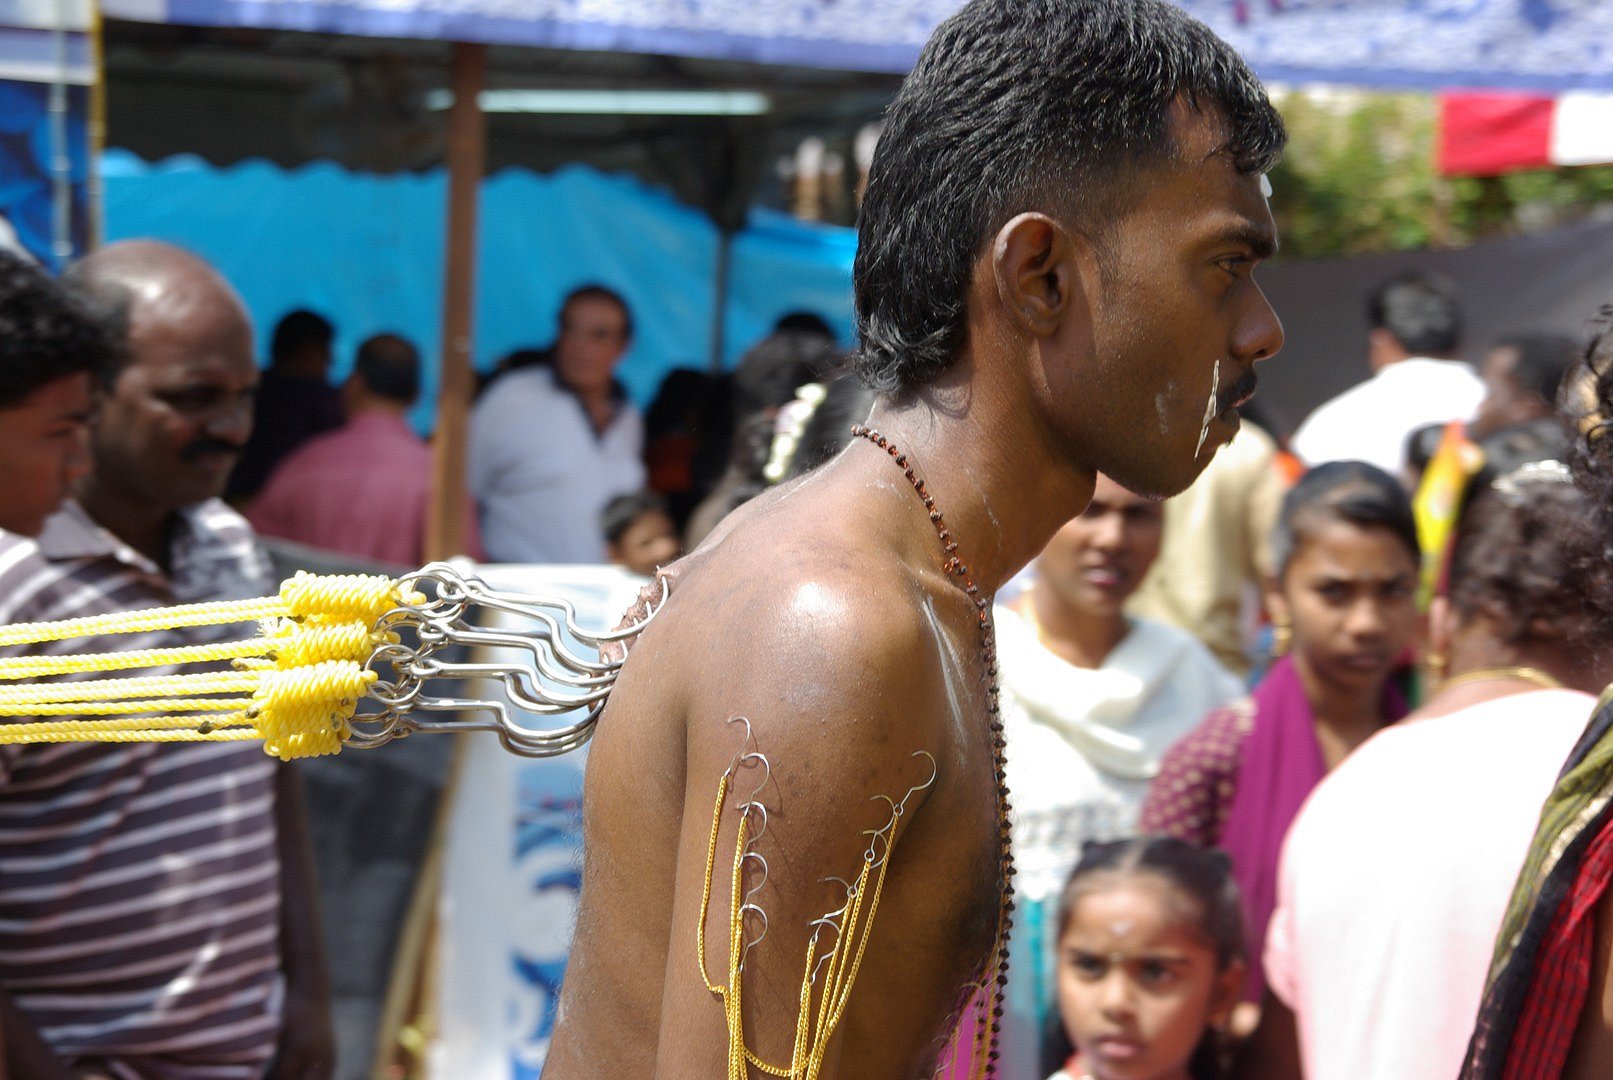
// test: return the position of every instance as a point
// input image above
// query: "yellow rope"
(124, 708)
(333, 597)
(80, 728)
(38, 667)
(180, 735)
(208, 682)
(295, 685)
(142, 620)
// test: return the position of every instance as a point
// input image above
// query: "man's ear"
(1035, 262)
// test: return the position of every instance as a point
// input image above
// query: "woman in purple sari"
(1345, 610)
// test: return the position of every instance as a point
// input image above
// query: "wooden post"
(408, 1019)
(467, 154)
(719, 302)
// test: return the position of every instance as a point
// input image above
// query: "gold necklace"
(1495, 674)
(985, 1040)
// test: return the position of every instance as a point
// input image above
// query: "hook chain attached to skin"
(550, 678)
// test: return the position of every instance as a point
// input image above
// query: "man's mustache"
(1238, 393)
(204, 448)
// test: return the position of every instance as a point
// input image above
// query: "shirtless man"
(1054, 279)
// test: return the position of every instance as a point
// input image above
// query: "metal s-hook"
(551, 678)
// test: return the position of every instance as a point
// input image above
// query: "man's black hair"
(1017, 105)
(296, 331)
(1351, 491)
(620, 513)
(47, 332)
(594, 291)
(1543, 361)
(389, 365)
(1422, 311)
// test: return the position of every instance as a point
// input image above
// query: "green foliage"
(1359, 176)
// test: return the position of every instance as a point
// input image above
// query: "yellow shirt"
(1217, 544)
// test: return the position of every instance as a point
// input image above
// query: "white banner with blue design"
(513, 865)
(1536, 44)
(44, 142)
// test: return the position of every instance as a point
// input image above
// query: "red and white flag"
(1483, 133)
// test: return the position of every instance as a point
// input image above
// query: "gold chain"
(1496, 674)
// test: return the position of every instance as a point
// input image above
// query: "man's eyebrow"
(1261, 241)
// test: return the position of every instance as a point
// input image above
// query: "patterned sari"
(1541, 972)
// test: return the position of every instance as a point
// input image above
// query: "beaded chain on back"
(955, 566)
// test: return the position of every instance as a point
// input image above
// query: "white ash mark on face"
(1210, 409)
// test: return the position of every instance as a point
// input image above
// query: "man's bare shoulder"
(802, 629)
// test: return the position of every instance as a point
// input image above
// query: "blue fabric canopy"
(367, 251)
(1533, 44)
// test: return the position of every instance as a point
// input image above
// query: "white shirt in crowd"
(1082, 746)
(541, 475)
(1395, 877)
(1371, 421)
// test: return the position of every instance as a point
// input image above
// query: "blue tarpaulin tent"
(367, 249)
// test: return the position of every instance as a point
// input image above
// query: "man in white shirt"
(1416, 325)
(552, 444)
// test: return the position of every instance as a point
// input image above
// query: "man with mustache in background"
(157, 909)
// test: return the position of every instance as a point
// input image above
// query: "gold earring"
(1282, 639)
(1439, 665)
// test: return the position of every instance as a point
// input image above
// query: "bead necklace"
(955, 566)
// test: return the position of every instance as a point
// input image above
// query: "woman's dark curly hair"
(1586, 402)
(1532, 550)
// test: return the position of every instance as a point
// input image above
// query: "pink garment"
(1394, 879)
(362, 489)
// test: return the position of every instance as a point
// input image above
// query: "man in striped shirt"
(156, 901)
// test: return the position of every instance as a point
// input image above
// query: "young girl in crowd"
(1091, 701)
(1344, 606)
(1151, 961)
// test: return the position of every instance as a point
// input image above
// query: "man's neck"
(1004, 492)
(601, 410)
(1075, 637)
(379, 407)
(598, 405)
(135, 522)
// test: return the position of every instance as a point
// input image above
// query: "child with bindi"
(1150, 961)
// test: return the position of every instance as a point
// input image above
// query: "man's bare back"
(1020, 339)
(845, 671)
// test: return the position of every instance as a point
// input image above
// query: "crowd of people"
(1276, 747)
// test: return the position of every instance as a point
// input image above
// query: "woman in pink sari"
(1345, 610)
